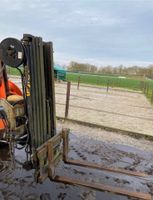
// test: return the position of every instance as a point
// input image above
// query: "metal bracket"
(47, 157)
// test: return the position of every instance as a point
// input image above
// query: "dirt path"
(124, 110)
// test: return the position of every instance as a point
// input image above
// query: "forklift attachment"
(102, 187)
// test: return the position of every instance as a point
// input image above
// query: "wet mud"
(17, 183)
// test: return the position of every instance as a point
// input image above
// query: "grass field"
(13, 71)
(129, 83)
(122, 82)
(103, 80)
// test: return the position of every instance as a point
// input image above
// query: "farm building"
(59, 72)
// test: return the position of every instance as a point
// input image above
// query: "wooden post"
(147, 90)
(144, 88)
(142, 85)
(107, 85)
(78, 82)
(67, 99)
(152, 97)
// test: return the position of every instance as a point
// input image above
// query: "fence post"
(144, 90)
(97, 80)
(147, 92)
(78, 82)
(142, 85)
(107, 85)
(67, 99)
(152, 97)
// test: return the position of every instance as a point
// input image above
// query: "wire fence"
(115, 108)
(147, 89)
(146, 86)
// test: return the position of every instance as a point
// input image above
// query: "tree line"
(120, 70)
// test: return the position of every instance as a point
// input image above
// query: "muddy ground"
(110, 149)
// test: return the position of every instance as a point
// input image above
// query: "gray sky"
(100, 32)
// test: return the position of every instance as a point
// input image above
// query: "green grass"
(13, 71)
(99, 80)
(128, 83)
(103, 80)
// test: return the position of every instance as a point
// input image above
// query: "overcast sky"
(100, 32)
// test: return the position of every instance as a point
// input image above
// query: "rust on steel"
(102, 167)
(65, 135)
(102, 187)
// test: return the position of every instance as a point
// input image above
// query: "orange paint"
(2, 127)
(2, 89)
(13, 89)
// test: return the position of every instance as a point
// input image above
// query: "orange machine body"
(13, 90)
